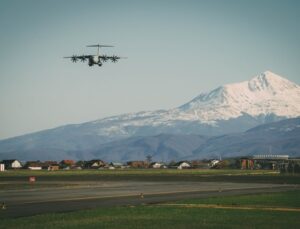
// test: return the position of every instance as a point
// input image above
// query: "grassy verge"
(205, 175)
(281, 199)
(135, 172)
(154, 216)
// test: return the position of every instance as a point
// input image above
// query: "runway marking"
(217, 206)
(218, 190)
(116, 196)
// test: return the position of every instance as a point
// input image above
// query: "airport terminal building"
(271, 161)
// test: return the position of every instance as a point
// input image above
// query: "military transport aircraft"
(95, 59)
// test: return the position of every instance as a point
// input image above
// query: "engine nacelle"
(91, 62)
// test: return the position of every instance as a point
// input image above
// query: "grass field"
(205, 175)
(163, 216)
(141, 172)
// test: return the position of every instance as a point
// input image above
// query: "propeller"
(74, 58)
(82, 58)
(104, 58)
(114, 59)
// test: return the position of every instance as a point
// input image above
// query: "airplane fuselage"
(95, 60)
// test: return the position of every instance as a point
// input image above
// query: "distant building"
(94, 164)
(116, 165)
(200, 164)
(2, 167)
(264, 161)
(183, 165)
(270, 157)
(12, 164)
(213, 163)
(247, 163)
(138, 164)
(81, 163)
(157, 165)
(67, 164)
(51, 165)
(33, 165)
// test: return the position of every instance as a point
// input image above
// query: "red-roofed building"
(67, 164)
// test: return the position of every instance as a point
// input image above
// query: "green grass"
(27, 185)
(204, 175)
(281, 199)
(141, 172)
(18, 179)
(152, 216)
(159, 217)
(133, 172)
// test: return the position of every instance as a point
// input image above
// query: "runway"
(86, 195)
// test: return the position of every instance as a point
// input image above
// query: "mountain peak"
(263, 95)
(269, 77)
(269, 73)
(269, 81)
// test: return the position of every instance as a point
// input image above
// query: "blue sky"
(175, 50)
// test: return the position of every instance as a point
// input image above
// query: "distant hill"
(163, 147)
(226, 110)
(281, 137)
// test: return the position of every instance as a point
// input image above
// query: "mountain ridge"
(276, 97)
(283, 137)
(228, 109)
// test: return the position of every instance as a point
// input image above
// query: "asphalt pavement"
(88, 195)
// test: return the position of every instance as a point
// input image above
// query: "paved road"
(86, 195)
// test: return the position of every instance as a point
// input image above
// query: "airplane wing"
(75, 58)
(112, 58)
(104, 58)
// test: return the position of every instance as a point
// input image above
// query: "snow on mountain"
(232, 108)
(283, 136)
(264, 95)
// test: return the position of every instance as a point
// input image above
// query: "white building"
(157, 165)
(214, 163)
(183, 165)
(12, 164)
(35, 167)
(116, 165)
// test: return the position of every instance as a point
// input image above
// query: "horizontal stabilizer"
(99, 46)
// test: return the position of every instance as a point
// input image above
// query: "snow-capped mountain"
(255, 101)
(265, 94)
(231, 108)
